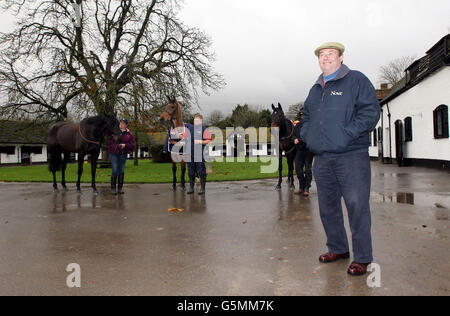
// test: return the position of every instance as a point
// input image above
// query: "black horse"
(286, 130)
(84, 138)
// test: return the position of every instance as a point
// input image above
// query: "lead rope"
(84, 138)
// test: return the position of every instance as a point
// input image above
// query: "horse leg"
(291, 173)
(63, 171)
(183, 175)
(80, 171)
(54, 164)
(55, 185)
(280, 170)
(94, 158)
(174, 172)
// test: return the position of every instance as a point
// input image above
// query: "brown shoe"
(298, 192)
(357, 268)
(332, 257)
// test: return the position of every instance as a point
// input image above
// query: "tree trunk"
(136, 148)
(136, 137)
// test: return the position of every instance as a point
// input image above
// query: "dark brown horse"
(173, 116)
(286, 145)
(84, 138)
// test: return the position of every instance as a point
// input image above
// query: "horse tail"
(55, 160)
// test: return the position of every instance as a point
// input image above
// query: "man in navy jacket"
(340, 112)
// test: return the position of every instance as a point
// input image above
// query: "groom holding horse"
(186, 143)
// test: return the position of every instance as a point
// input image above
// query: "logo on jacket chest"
(338, 93)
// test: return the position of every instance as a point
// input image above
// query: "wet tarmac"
(242, 238)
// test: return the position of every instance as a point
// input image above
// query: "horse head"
(112, 125)
(172, 112)
(277, 115)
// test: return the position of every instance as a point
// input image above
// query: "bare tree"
(215, 117)
(293, 112)
(394, 71)
(88, 56)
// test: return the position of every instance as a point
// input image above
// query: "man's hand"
(296, 141)
(122, 146)
(198, 142)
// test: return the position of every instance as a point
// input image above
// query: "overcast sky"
(265, 48)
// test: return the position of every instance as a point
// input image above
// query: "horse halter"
(172, 115)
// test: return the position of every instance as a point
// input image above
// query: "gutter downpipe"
(390, 134)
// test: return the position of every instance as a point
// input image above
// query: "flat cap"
(334, 45)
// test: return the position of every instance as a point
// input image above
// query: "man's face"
(330, 61)
(122, 125)
(198, 121)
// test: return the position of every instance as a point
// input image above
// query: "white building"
(25, 143)
(413, 129)
(22, 143)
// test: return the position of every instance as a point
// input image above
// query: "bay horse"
(84, 138)
(286, 144)
(173, 116)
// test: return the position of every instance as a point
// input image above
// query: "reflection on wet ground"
(394, 175)
(422, 199)
(402, 198)
(242, 238)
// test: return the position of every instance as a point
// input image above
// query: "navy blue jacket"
(339, 117)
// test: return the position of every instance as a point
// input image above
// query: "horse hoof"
(55, 190)
(183, 188)
(278, 187)
(95, 192)
(65, 190)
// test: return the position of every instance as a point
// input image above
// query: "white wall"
(373, 149)
(419, 104)
(40, 158)
(16, 158)
(5, 159)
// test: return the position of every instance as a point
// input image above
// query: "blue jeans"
(347, 176)
(196, 168)
(117, 163)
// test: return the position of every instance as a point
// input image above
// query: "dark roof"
(23, 132)
(396, 90)
(436, 57)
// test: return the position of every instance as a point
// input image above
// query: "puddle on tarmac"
(438, 201)
(61, 203)
(394, 175)
(399, 197)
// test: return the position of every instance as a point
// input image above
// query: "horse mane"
(286, 123)
(94, 120)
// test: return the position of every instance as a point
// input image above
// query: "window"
(380, 134)
(408, 129)
(440, 120)
(375, 140)
(37, 150)
(8, 150)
